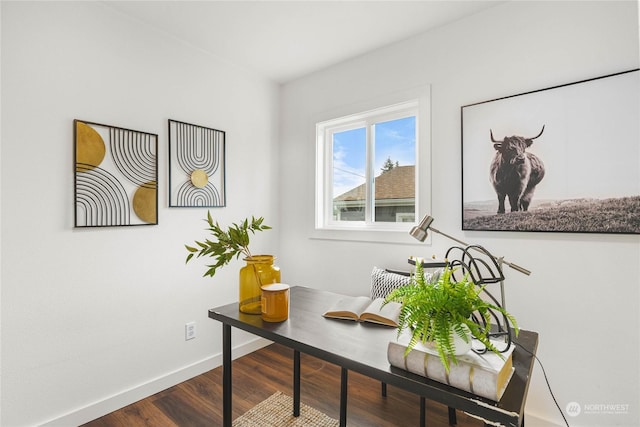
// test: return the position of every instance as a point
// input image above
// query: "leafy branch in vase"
(226, 244)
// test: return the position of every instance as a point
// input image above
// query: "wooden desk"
(362, 347)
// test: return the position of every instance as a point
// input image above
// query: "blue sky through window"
(395, 140)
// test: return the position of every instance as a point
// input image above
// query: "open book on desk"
(365, 309)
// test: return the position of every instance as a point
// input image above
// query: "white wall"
(95, 317)
(583, 295)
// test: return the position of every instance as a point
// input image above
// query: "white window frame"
(415, 102)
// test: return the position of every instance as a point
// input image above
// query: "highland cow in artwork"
(515, 172)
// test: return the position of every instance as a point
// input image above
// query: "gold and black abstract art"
(116, 176)
(196, 166)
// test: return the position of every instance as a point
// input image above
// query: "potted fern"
(438, 309)
(234, 243)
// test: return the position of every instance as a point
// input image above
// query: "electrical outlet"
(189, 331)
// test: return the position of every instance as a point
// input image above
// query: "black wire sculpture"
(196, 166)
(483, 269)
(116, 176)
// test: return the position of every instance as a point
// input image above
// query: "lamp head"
(419, 232)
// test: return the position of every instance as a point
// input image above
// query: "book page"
(348, 308)
(387, 315)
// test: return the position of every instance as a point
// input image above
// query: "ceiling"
(284, 40)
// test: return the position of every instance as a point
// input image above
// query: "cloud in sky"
(396, 140)
(349, 151)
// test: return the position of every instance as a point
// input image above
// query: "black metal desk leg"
(296, 383)
(343, 397)
(423, 412)
(226, 375)
(452, 416)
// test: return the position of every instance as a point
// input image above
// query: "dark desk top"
(362, 347)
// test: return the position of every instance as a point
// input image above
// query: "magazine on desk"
(365, 309)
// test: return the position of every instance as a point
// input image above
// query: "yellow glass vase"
(259, 271)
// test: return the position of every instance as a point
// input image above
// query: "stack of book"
(485, 375)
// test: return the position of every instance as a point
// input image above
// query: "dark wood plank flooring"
(198, 401)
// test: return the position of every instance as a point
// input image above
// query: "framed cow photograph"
(560, 159)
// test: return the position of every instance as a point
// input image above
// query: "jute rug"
(277, 411)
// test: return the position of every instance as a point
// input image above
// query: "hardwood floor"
(198, 401)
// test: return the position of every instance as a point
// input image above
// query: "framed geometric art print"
(196, 166)
(116, 176)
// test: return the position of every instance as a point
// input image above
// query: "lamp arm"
(510, 264)
(517, 268)
(446, 235)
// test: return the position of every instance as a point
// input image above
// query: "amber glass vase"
(258, 271)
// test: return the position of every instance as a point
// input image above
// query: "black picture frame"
(196, 166)
(115, 177)
(586, 135)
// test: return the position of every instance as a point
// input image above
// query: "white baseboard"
(127, 397)
(531, 420)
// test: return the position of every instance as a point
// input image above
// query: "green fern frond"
(437, 308)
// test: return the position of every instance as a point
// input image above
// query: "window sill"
(368, 236)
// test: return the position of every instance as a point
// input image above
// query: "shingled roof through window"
(397, 183)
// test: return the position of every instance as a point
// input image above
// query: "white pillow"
(383, 282)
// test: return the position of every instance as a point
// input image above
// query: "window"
(367, 169)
